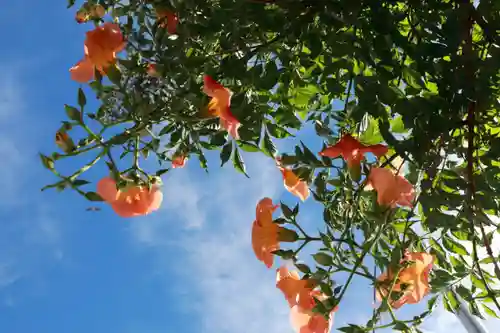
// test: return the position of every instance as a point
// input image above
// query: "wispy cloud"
(29, 233)
(235, 292)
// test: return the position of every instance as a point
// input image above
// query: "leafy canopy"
(421, 77)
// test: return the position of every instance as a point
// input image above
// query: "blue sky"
(188, 267)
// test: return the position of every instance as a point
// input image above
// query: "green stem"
(136, 152)
(361, 258)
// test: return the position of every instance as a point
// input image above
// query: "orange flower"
(412, 281)
(265, 232)
(219, 105)
(392, 189)
(300, 296)
(293, 183)
(179, 161)
(83, 71)
(267, 235)
(101, 46)
(352, 150)
(167, 20)
(132, 201)
(103, 43)
(291, 285)
(305, 321)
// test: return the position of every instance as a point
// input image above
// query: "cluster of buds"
(89, 12)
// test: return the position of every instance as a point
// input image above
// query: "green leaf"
(453, 246)
(352, 329)
(478, 282)
(248, 146)
(73, 113)
(413, 78)
(225, 153)
(92, 196)
(47, 162)
(490, 311)
(303, 268)
(309, 155)
(323, 259)
(82, 100)
(114, 74)
(400, 326)
(287, 212)
(397, 125)
(268, 146)
(80, 182)
(238, 162)
(371, 135)
(285, 254)
(453, 303)
(162, 172)
(46, 187)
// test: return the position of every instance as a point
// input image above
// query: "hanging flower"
(392, 189)
(134, 200)
(293, 183)
(101, 46)
(300, 295)
(291, 285)
(352, 150)
(267, 235)
(219, 105)
(412, 280)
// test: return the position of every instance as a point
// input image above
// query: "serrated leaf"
(225, 153)
(268, 146)
(238, 162)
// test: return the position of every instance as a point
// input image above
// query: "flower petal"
(83, 71)
(155, 198)
(106, 188)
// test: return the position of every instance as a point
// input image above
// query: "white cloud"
(235, 291)
(10, 97)
(29, 234)
(443, 321)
